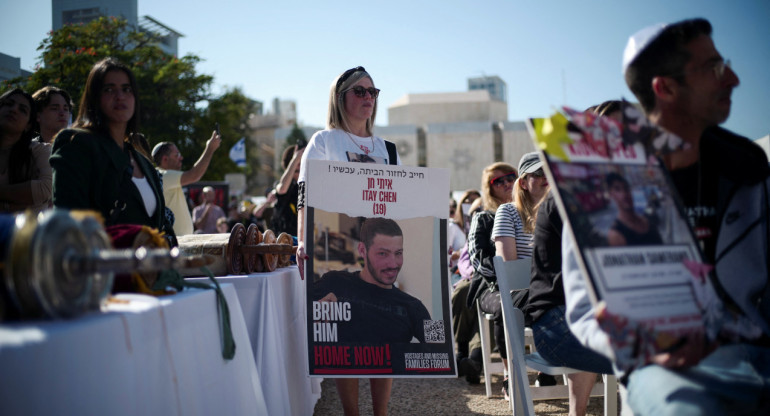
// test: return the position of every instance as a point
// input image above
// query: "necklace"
(365, 149)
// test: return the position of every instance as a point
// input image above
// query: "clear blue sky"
(550, 53)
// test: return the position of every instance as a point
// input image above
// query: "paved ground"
(452, 396)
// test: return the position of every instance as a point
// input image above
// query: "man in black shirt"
(685, 85)
(379, 313)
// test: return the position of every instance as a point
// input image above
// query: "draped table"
(146, 355)
(274, 310)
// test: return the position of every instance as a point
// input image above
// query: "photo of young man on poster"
(376, 311)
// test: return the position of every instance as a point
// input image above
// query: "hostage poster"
(636, 249)
(377, 276)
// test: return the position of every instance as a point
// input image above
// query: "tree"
(295, 136)
(231, 110)
(169, 87)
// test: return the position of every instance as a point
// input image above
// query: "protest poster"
(641, 260)
(377, 276)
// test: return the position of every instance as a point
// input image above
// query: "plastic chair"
(486, 348)
(513, 275)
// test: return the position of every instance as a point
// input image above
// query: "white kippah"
(638, 41)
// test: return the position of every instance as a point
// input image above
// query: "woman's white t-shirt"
(339, 145)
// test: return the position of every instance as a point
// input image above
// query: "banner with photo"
(377, 276)
(643, 264)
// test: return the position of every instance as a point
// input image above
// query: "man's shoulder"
(170, 172)
(412, 302)
(732, 150)
(333, 275)
(400, 293)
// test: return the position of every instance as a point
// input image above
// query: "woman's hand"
(301, 257)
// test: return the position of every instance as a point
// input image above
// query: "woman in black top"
(101, 163)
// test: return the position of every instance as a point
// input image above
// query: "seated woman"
(25, 175)
(512, 234)
(497, 182)
(101, 163)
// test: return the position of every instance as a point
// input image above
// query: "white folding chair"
(486, 349)
(513, 275)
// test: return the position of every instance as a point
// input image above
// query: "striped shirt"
(508, 223)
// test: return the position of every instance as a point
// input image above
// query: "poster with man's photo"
(377, 276)
(635, 247)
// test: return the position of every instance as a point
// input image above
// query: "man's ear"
(362, 249)
(665, 88)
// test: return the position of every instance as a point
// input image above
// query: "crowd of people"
(103, 163)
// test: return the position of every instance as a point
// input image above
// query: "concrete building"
(269, 133)
(10, 67)
(83, 11)
(497, 88)
(461, 131)
(448, 107)
(286, 110)
(169, 38)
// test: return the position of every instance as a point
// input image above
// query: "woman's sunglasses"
(360, 91)
(500, 180)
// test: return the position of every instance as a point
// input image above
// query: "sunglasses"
(500, 180)
(345, 75)
(360, 91)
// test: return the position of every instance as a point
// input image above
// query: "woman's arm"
(285, 182)
(301, 255)
(504, 232)
(505, 247)
(35, 191)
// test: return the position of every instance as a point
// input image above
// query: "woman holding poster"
(348, 137)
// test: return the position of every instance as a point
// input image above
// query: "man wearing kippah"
(684, 86)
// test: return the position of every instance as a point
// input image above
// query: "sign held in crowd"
(377, 285)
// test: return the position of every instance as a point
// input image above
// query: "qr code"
(434, 331)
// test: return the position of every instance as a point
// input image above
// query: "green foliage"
(231, 110)
(172, 95)
(296, 135)
(169, 87)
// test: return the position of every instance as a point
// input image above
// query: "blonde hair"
(526, 204)
(338, 118)
(489, 202)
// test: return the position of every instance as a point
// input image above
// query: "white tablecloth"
(274, 310)
(162, 358)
